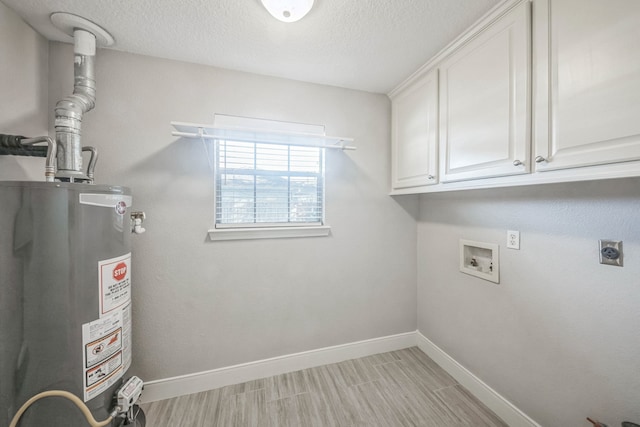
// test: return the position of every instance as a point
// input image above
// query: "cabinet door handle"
(431, 177)
(540, 159)
(517, 163)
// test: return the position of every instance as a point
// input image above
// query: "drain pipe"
(70, 110)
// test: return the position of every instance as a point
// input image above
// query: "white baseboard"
(216, 378)
(509, 413)
(208, 380)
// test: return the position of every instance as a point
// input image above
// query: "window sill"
(268, 233)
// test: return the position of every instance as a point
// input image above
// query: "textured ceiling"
(370, 45)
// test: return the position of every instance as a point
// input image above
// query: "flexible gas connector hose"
(61, 393)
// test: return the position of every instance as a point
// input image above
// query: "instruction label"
(103, 348)
(103, 372)
(115, 283)
(106, 348)
(126, 336)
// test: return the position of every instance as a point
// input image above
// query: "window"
(269, 175)
(268, 185)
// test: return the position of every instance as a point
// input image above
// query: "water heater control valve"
(129, 393)
(138, 219)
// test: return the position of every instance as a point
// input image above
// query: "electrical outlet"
(513, 239)
(610, 252)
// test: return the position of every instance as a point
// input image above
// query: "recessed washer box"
(480, 259)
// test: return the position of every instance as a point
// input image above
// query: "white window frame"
(266, 230)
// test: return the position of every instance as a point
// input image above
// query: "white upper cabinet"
(536, 91)
(415, 133)
(485, 110)
(587, 82)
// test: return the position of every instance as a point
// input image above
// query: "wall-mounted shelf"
(244, 134)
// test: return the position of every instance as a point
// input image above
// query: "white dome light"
(288, 10)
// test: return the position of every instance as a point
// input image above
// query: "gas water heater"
(65, 274)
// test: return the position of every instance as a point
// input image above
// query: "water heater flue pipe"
(70, 110)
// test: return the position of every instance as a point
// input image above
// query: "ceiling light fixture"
(288, 10)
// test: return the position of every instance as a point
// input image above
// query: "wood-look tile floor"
(399, 388)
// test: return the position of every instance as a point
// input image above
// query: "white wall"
(201, 305)
(23, 111)
(23, 91)
(559, 336)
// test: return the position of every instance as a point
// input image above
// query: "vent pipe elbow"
(70, 110)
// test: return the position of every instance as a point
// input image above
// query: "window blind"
(262, 184)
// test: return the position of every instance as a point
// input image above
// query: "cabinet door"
(485, 102)
(415, 133)
(587, 82)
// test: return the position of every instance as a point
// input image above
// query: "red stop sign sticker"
(120, 271)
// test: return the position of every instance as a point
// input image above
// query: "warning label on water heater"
(106, 348)
(103, 347)
(115, 283)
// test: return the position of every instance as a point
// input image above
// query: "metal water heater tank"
(65, 299)
(65, 272)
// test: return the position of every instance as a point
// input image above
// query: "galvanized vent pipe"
(70, 110)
